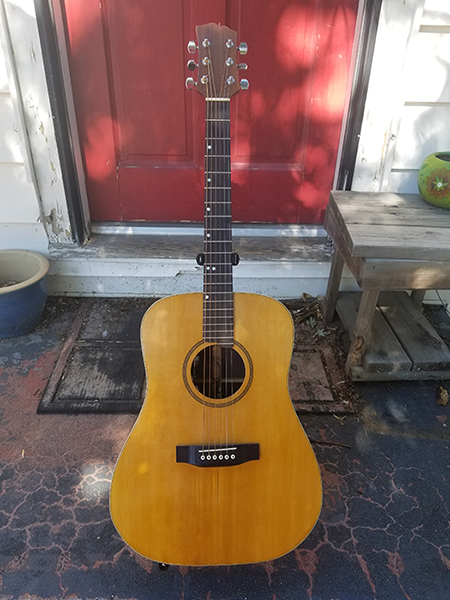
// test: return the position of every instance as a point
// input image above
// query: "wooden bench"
(389, 242)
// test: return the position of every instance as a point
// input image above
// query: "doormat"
(101, 370)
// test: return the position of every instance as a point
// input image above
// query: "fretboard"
(218, 276)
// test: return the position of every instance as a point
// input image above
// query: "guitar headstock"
(217, 66)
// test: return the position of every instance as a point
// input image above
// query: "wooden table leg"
(417, 297)
(363, 326)
(329, 304)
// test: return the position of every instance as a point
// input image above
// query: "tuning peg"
(243, 48)
(242, 66)
(245, 84)
(192, 65)
(192, 47)
(190, 83)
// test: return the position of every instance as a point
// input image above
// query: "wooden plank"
(360, 338)
(384, 353)
(340, 198)
(390, 241)
(419, 217)
(388, 209)
(417, 296)
(334, 280)
(336, 232)
(360, 374)
(423, 345)
(402, 274)
(387, 273)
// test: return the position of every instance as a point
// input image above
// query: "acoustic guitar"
(217, 469)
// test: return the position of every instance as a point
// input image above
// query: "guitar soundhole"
(218, 373)
(217, 376)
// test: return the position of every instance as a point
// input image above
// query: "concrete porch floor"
(383, 533)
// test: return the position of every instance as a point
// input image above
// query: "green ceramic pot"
(434, 179)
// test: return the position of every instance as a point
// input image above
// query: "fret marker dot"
(214, 268)
(209, 180)
(209, 147)
(208, 235)
(208, 209)
(207, 297)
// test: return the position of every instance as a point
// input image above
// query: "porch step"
(158, 264)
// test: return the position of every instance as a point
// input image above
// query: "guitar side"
(178, 513)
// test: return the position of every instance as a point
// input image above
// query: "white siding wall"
(425, 118)
(33, 208)
(20, 225)
(408, 103)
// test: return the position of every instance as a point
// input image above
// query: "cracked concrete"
(383, 533)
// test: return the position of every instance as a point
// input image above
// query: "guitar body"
(180, 513)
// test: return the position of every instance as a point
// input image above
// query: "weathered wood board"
(403, 344)
(400, 226)
(424, 346)
(385, 353)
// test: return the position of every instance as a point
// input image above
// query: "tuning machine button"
(243, 48)
(242, 66)
(192, 65)
(245, 84)
(192, 47)
(190, 83)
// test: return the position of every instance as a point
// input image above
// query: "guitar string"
(225, 124)
(209, 262)
(215, 319)
(217, 264)
(217, 275)
(206, 292)
(220, 131)
(215, 348)
(225, 235)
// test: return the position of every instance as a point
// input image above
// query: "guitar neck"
(218, 276)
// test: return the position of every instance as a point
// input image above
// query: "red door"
(142, 132)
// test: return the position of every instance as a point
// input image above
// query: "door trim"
(370, 16)
(53, 46)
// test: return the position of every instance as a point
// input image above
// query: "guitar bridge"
(219, 456)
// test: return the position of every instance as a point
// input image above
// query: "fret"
(220, 292)
(220, 229)
(222, 333)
